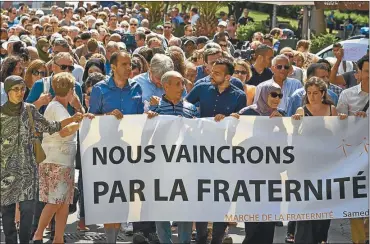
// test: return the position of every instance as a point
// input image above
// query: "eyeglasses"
(36, 72)
(275, 95)
(223, 45)
(133, 24)
(17, 89)
(280, 67)
(64, 67)
(239, 72)
(167, 27)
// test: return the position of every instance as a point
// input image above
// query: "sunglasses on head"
(64, 67)
(36, 72)
(280, 67)
(275, 95)
(237, 72)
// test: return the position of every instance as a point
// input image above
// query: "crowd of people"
(59, 68)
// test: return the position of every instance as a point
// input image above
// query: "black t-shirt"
(243, 21)
(259, 78)
(350, 79)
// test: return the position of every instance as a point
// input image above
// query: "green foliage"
(320, 42)
(340, 17)
(245, 33)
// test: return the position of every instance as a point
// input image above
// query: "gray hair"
(112, 44)
(62, 55)
(166, 77)
(160, 64)
(175, 41)
(279, 57)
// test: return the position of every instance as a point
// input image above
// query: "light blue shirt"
(290, 85)
(149, 89)
(4, 96)
(296, 100)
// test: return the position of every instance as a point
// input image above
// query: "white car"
(354, 49)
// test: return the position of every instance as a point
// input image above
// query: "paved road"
(339, 233)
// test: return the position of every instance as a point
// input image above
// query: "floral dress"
(18, 175)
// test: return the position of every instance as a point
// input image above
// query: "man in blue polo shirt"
(172, 103)
(116, 96)
(210, 57)
(218, 99)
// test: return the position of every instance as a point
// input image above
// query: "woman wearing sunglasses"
(267, 105)
(243, 72)
(36, 70)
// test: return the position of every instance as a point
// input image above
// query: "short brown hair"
(306, 44)
(62, 83)
(92, 45)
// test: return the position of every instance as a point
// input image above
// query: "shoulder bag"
(37, 148)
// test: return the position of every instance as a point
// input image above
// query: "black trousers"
(218, 232)
(146, 227)
(259, 232)
(312, 231)
(25, 227)
(291, 227)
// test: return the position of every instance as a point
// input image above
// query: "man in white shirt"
(352, 101)
(194, 16)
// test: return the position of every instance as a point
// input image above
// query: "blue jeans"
(165, 233)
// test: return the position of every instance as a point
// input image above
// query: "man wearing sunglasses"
(40, 95)
(12, 17)
(167, 31)
(294, 72)
(280, 68)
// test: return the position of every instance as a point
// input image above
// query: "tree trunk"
(317, 23)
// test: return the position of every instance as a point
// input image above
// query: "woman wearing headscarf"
(18, 172)
(267, 102)
(42, 47)
(93, 65)
(267, 105)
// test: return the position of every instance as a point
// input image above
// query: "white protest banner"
(353, 51)
(251, 169)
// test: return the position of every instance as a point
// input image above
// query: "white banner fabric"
(252, 169)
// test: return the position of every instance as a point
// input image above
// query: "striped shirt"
(183, 108)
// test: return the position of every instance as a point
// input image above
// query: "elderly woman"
(57, 171)
(18, 164)
(266, 105)
(243, 72)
